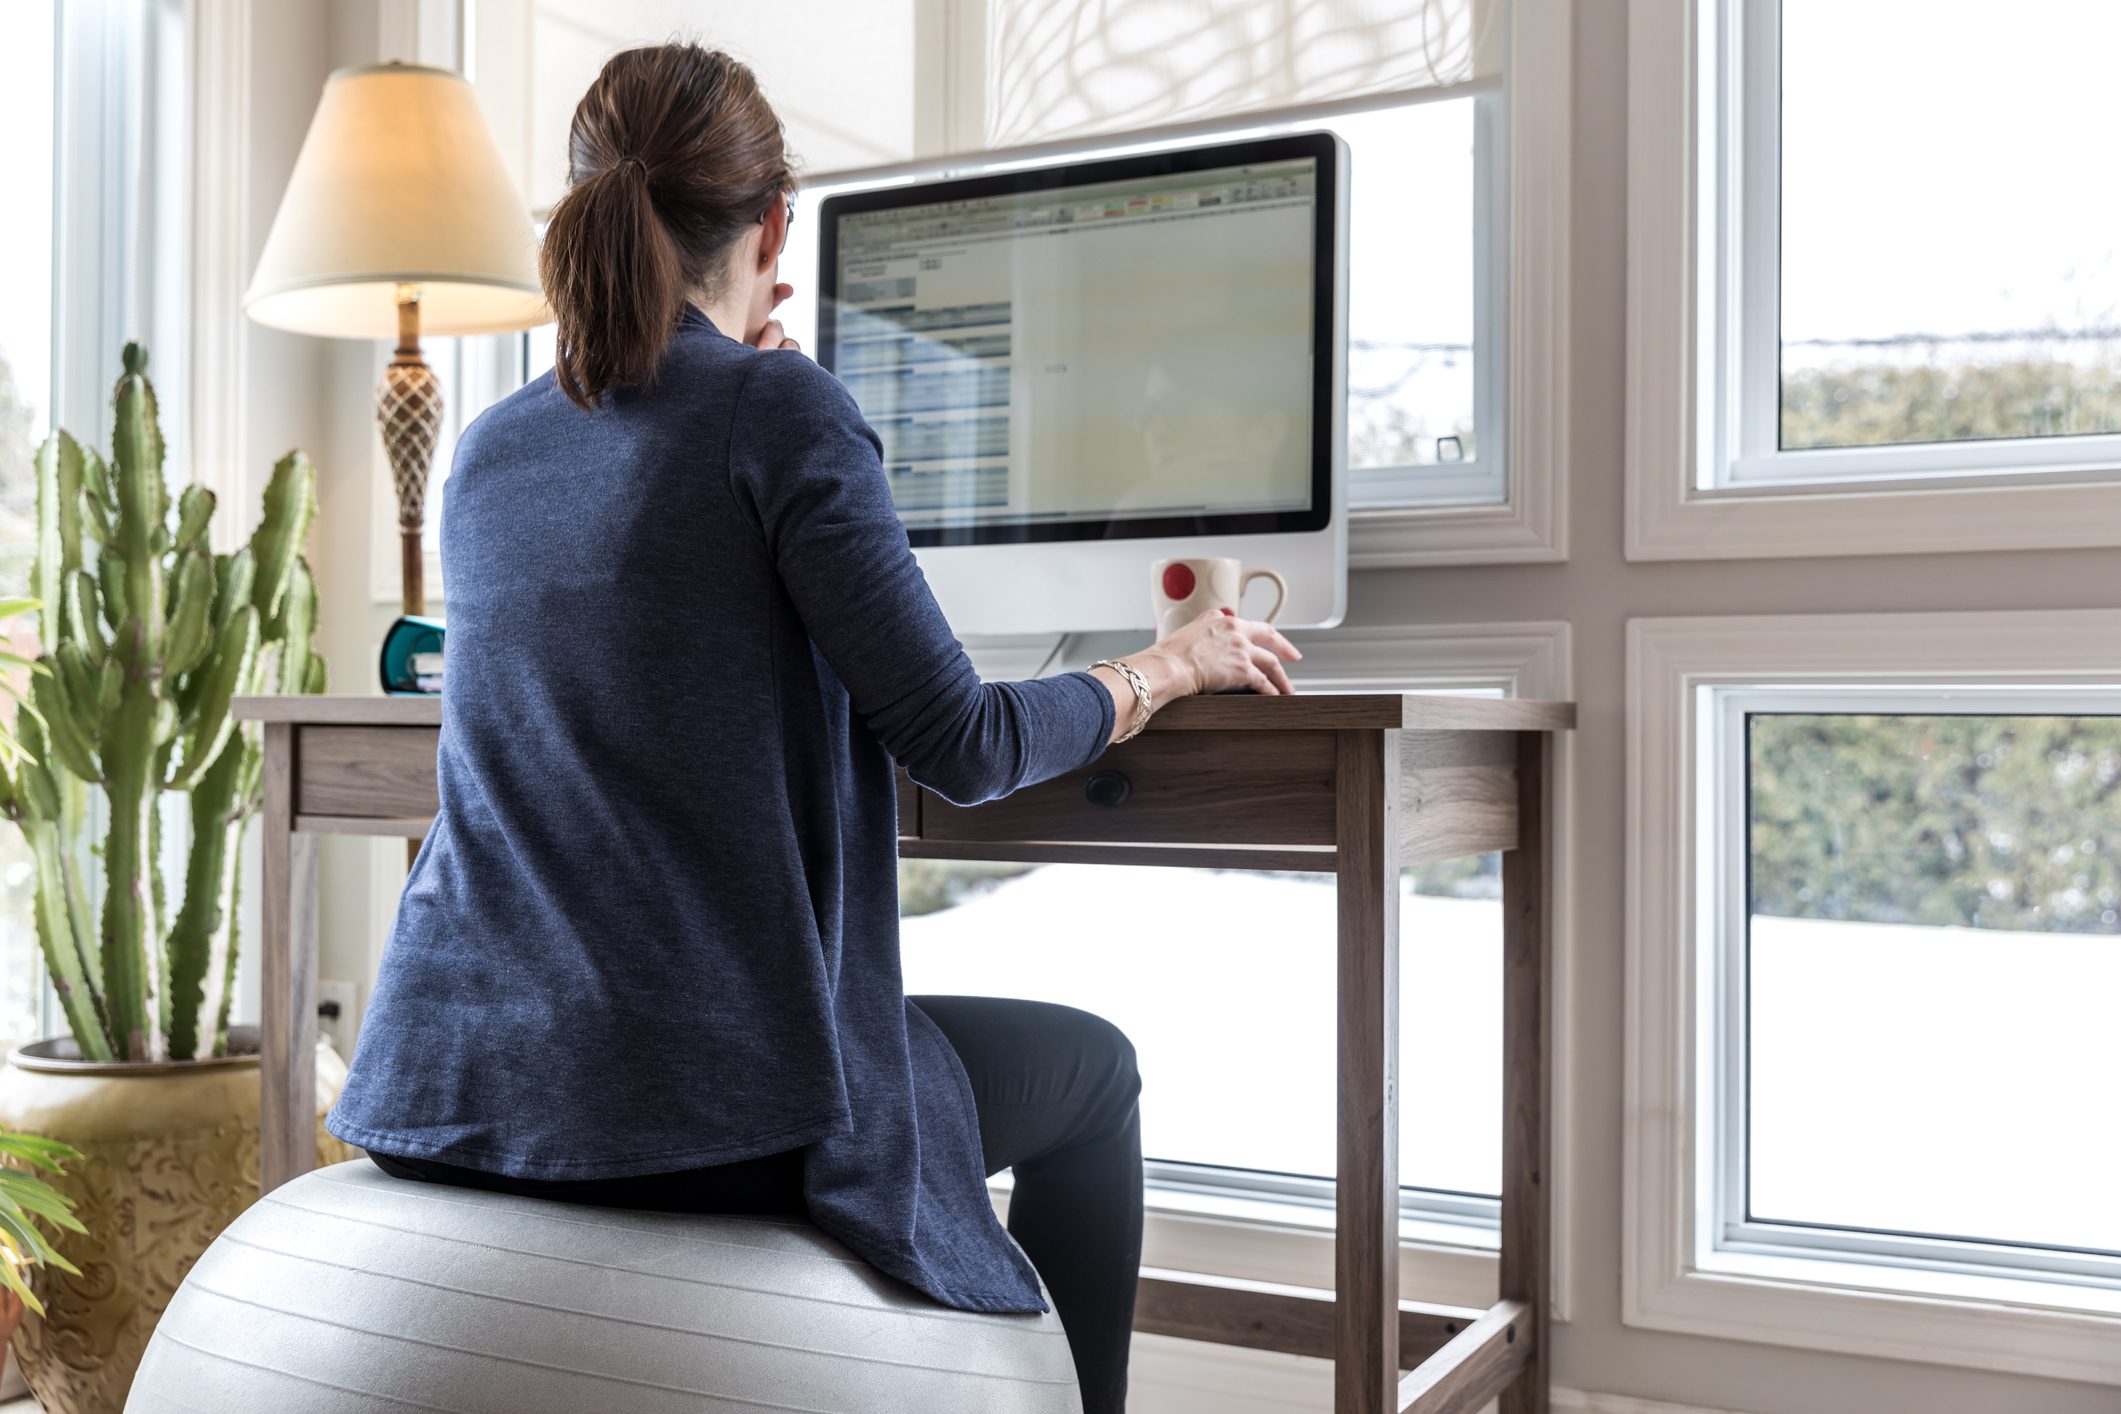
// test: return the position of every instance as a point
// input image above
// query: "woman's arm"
(807, 469)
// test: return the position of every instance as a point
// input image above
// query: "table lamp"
(400, 218)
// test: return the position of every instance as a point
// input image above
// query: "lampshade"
(399, 182)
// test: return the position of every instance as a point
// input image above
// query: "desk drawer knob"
(1108, 789)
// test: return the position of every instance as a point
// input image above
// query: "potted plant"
(24, 1198)
(147, 637)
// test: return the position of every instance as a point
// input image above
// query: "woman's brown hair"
(674, 154)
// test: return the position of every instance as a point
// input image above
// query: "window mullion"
(1757, 230)
(1491, 304)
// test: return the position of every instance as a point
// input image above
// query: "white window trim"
(220, 261)
(120, 211)
(1670, 1280)
(1292, 1243)
(1674, 298)
(1531, 524)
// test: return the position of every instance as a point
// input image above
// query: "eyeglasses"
(791, 211)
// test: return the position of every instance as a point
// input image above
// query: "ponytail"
(613, 277)
(674, 152)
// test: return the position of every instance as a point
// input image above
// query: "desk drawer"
(366, 772)
(1197, 788)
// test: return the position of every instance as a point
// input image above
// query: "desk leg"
(1366, 1190)
(287, 1113)
(1527, 1067)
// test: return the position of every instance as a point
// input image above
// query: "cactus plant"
(143, 653)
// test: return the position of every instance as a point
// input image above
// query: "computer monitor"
(1080, 369)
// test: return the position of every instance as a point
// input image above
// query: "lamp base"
(409, 409)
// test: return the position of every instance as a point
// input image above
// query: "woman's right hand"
(1216, 652)
(1219, 651)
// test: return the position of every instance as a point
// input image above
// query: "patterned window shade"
(1068, 68)
(839, 72)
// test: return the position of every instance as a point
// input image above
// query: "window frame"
(1687, 1265)
(1705, 477)
(1724, 712)
(122, 243)
(1378, 491)
(1528, 250)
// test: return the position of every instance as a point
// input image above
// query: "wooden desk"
(1353, 785)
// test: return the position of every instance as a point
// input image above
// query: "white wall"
(319, 396)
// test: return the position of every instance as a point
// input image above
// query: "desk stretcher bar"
(1357, 786)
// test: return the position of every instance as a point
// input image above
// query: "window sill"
(1506, 533)
(1294, 1216)
(1667, 522)
(2010, 1324)
(1291, 1244)
(1893, 1279)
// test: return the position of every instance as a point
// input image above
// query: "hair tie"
(635, 163)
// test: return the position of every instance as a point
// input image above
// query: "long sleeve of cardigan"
(807, 467)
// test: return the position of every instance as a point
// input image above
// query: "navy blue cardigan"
(655, 926)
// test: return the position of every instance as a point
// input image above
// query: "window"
(1927, 938)
(1890, 317)
(94, 176)
(1224, 981)
(1845, 336)
(1914, 308)
(1875, 917)
(28, 65)
(1425, 318)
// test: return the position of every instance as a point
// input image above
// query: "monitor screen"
(1110, 349)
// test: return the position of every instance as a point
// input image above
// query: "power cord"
(1059, 644)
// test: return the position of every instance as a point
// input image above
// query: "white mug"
(1182, 590)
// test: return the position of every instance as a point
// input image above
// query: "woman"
(648, 956)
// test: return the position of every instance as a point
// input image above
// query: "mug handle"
(1281, 589)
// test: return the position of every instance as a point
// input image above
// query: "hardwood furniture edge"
(287, 1039)
(1366, 1359)
(1474, 1366)
(1321, 859)
(1526, 1250)
(340, 710)
(410, 827)
(1290, 1320)
(1355, 711)
(1358, 711)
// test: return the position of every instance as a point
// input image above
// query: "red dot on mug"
(1178, 582)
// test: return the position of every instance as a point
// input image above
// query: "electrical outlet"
(335, 1015)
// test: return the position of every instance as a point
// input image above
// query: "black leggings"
(1056, 1091)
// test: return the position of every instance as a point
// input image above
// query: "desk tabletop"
(1323, 711)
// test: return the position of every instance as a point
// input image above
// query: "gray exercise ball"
(348, 1291)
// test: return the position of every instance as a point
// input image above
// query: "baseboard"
(1576, 1401)
(1191, 1377)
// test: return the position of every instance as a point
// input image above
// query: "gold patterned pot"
(171, 1159)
